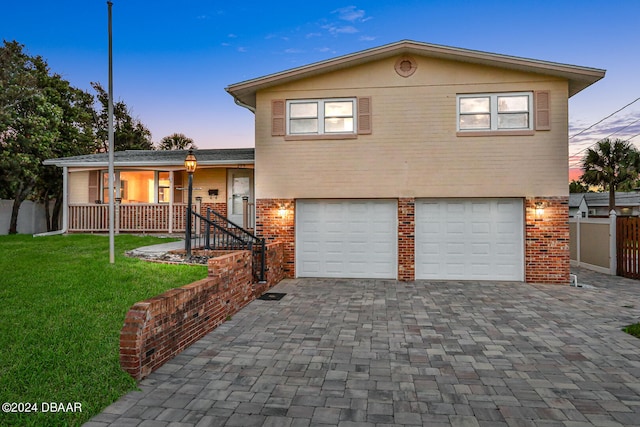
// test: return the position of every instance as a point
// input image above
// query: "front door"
(240, 184)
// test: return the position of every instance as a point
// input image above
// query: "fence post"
(578, 232)
(613, 264)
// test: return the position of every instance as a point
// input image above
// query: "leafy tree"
(578, 187)
(75, 138)
(28, 124)
(128, 133)
(609, 165)
(176, 141)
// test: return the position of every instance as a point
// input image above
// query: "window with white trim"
(321, 116)
(495, 112)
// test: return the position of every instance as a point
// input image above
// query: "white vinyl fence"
(31, 217)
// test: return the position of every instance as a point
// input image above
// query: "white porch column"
(65, 199)
(170, 202)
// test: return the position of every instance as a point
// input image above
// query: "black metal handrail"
(216, 232)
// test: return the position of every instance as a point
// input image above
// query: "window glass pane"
(136, 186)
(105, 187)
(513, 103)
(163, 187)
(513, 121)
(240, 189)
(338, 125)
(475, 121)
(304, 126)
(163, 179)
(307, 109)
(338, 109)
(474, 105)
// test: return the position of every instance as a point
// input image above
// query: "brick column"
(547, 240)
(406, 239)
(274, 225)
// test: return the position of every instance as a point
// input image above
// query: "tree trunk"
(57, 208)
(47, 213)
(612, 198)
(21, 195)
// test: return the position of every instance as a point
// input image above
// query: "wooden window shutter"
(364, 115)
(278, 117)
(543, 110)
(94, 183)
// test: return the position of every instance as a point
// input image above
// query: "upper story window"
(331, 118)
(320, 117)
(495, 112)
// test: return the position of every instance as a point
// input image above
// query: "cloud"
(626, 126)
(232, 36)
(366, 38)
(242, 49)
(350, 14)
(335, 29)
(311, 35)
(291, 50)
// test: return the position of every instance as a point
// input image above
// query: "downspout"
(242, 104)
(65, 208)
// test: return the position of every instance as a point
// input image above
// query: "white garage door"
(346, 238)
(469, 239)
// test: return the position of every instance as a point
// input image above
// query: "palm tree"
(176, 141)
(610, 164)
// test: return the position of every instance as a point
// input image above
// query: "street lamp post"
(190, 164)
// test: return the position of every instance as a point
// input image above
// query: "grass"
(62, 306)
(633, 330)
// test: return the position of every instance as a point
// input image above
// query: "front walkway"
(375, 352)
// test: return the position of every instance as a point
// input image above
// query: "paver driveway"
(376, 352)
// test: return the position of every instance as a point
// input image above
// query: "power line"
(619, 130)
(602, 120)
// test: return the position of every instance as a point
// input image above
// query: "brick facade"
(406, 239)
(546, 237)
(219, 207)
(275, 221)
(547, 241)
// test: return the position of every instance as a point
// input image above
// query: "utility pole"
(111, 191)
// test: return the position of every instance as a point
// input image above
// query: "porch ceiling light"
(190, 162)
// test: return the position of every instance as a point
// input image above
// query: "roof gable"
(578, 77)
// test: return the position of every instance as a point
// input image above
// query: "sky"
(172, 60)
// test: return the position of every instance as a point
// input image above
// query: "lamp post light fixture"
(190, 164)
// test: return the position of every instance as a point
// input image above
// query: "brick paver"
(376, 352)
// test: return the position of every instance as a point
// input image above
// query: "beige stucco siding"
(78, 187)
(413, 150)
(203, 180)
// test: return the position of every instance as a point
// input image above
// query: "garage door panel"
(350, 238)
(473, 239)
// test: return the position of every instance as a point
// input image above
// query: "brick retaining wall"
(158, 329)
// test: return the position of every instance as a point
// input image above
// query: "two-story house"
(416, 161)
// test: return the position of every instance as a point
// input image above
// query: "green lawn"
(633, 330)
(61, 309)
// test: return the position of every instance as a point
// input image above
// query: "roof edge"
(582, 77)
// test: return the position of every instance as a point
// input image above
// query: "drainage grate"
(271, 296)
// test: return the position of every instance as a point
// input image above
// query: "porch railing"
(142, 217)
(216, 232)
